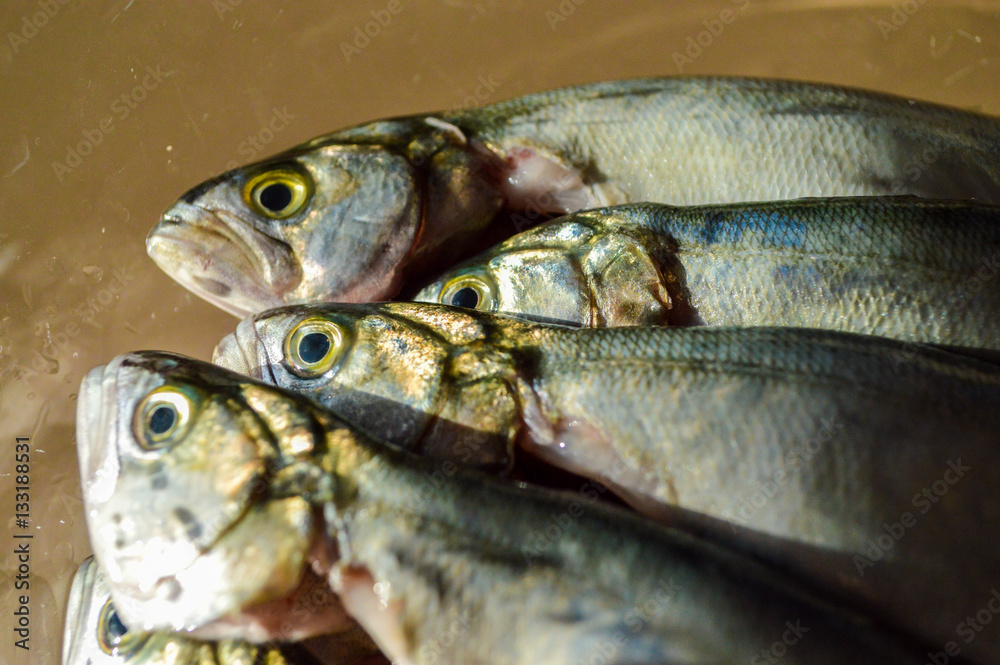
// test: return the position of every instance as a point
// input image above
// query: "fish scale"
(899, 267)
(432, 565)
(431, 187)
(844, 431)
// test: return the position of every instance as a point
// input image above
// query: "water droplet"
(94, 272)
(64, 550)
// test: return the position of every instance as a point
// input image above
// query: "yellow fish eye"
(162, 416)
(313, 347)
(112, 635)
(471, 292)
(277, 194)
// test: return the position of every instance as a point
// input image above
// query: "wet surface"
(111, 110)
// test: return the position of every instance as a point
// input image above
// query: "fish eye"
(112, 635)
(313, 347)
(470, 292)
(162, 417)
(278, 194)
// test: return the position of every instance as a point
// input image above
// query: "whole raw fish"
(898, 267)
(356, 215)
(871, 461)
(438, 566)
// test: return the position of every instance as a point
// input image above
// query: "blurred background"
(110, 110)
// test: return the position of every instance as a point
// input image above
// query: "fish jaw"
(243, 350)
(81, 616)
(240, 570)
(222, 259)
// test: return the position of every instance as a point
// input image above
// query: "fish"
(95, 635)
(437, 566)
(898, 267)
(359, 214)
(871, 462)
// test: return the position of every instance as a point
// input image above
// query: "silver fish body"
(438, 566)
(813, 447)
(355, 215)
(898, 267)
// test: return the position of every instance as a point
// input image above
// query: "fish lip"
(237, 351)
(90, 423)
(221, 243)
(77, 611)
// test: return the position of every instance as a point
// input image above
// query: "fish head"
(344, 218)
(392, 369)
(587, 269)
(94, 634)
(176, 462)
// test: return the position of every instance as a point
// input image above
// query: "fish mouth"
(223, 259)
(243, 351)
(94, 411)
(236, 571)
(78, 611)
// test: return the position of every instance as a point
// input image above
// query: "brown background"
(76, 287)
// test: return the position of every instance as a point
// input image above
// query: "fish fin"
(628, 287)
(451, 130)
(540, 183)
(578, 446)
(382, 621)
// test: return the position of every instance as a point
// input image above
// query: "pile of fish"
(733, 397)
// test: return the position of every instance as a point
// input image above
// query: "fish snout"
(242, 351)
(98, 468)
(223, 258)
